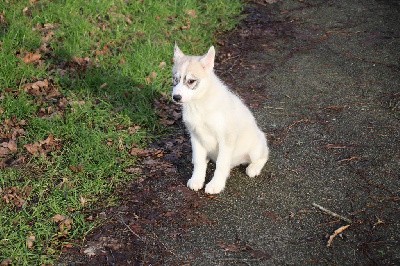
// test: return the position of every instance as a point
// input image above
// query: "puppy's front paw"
(195, 184)
(214, 187)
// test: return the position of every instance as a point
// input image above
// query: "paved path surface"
(323, 78)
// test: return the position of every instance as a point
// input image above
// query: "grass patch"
(77, 83)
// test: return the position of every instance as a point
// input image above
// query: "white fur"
(221, 127)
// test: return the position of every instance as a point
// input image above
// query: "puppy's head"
(190, 74)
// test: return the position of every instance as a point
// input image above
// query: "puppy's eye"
(190, 82)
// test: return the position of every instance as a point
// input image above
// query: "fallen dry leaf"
(83, 201)
(58, 218)
(139, 152)
(133, 130)
(43, 88)
(81, 61)
(32, 148)
(187, 26)
(47, 96)
(10, 131)
(47, 32)
(30, 241)
(150, 78)
(45, 39)
(90, 251)
(103, 51)
(44, 147)
(76, 66)
(15, 195)
(6, 262)
(30, 58)
(128, 20)
(68, 245)
(191, 13)
(336, 233)
(26, 11)
(7, 148)
(12, 146)
(76, 169)
(158, 153)
(64, 223)
(41, 83)
(4, 151)
(122, 61)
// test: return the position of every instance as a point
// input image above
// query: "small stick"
(336, 233)
(130, 229)
(352, 158)
(332, 213)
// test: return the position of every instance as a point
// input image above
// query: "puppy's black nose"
(177, 98)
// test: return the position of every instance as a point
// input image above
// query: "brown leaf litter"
(15, 196)
(44, 147)
(47, 96)
(168, 113)
(152, 161)
(32, 58)
(64, 224)
(76, 66)
(10, 131)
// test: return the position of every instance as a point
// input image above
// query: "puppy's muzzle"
(177, 98)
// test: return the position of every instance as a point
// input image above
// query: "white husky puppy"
(221, 127)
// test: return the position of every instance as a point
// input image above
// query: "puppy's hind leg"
(258, 158)
(199, 160)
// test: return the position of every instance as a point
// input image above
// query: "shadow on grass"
(80, 78)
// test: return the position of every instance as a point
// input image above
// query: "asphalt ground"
(323, 81)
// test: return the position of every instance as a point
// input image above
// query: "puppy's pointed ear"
(207, 61)
(177, 53)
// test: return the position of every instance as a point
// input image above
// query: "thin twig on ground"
(332, 213)
(336, 233)
(130, 229)
(352, 158)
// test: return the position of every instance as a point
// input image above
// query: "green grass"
(125, 42)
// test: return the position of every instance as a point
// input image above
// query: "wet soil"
(323, 80)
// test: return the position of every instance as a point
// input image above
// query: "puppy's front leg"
(199, 160)
(223, 167)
